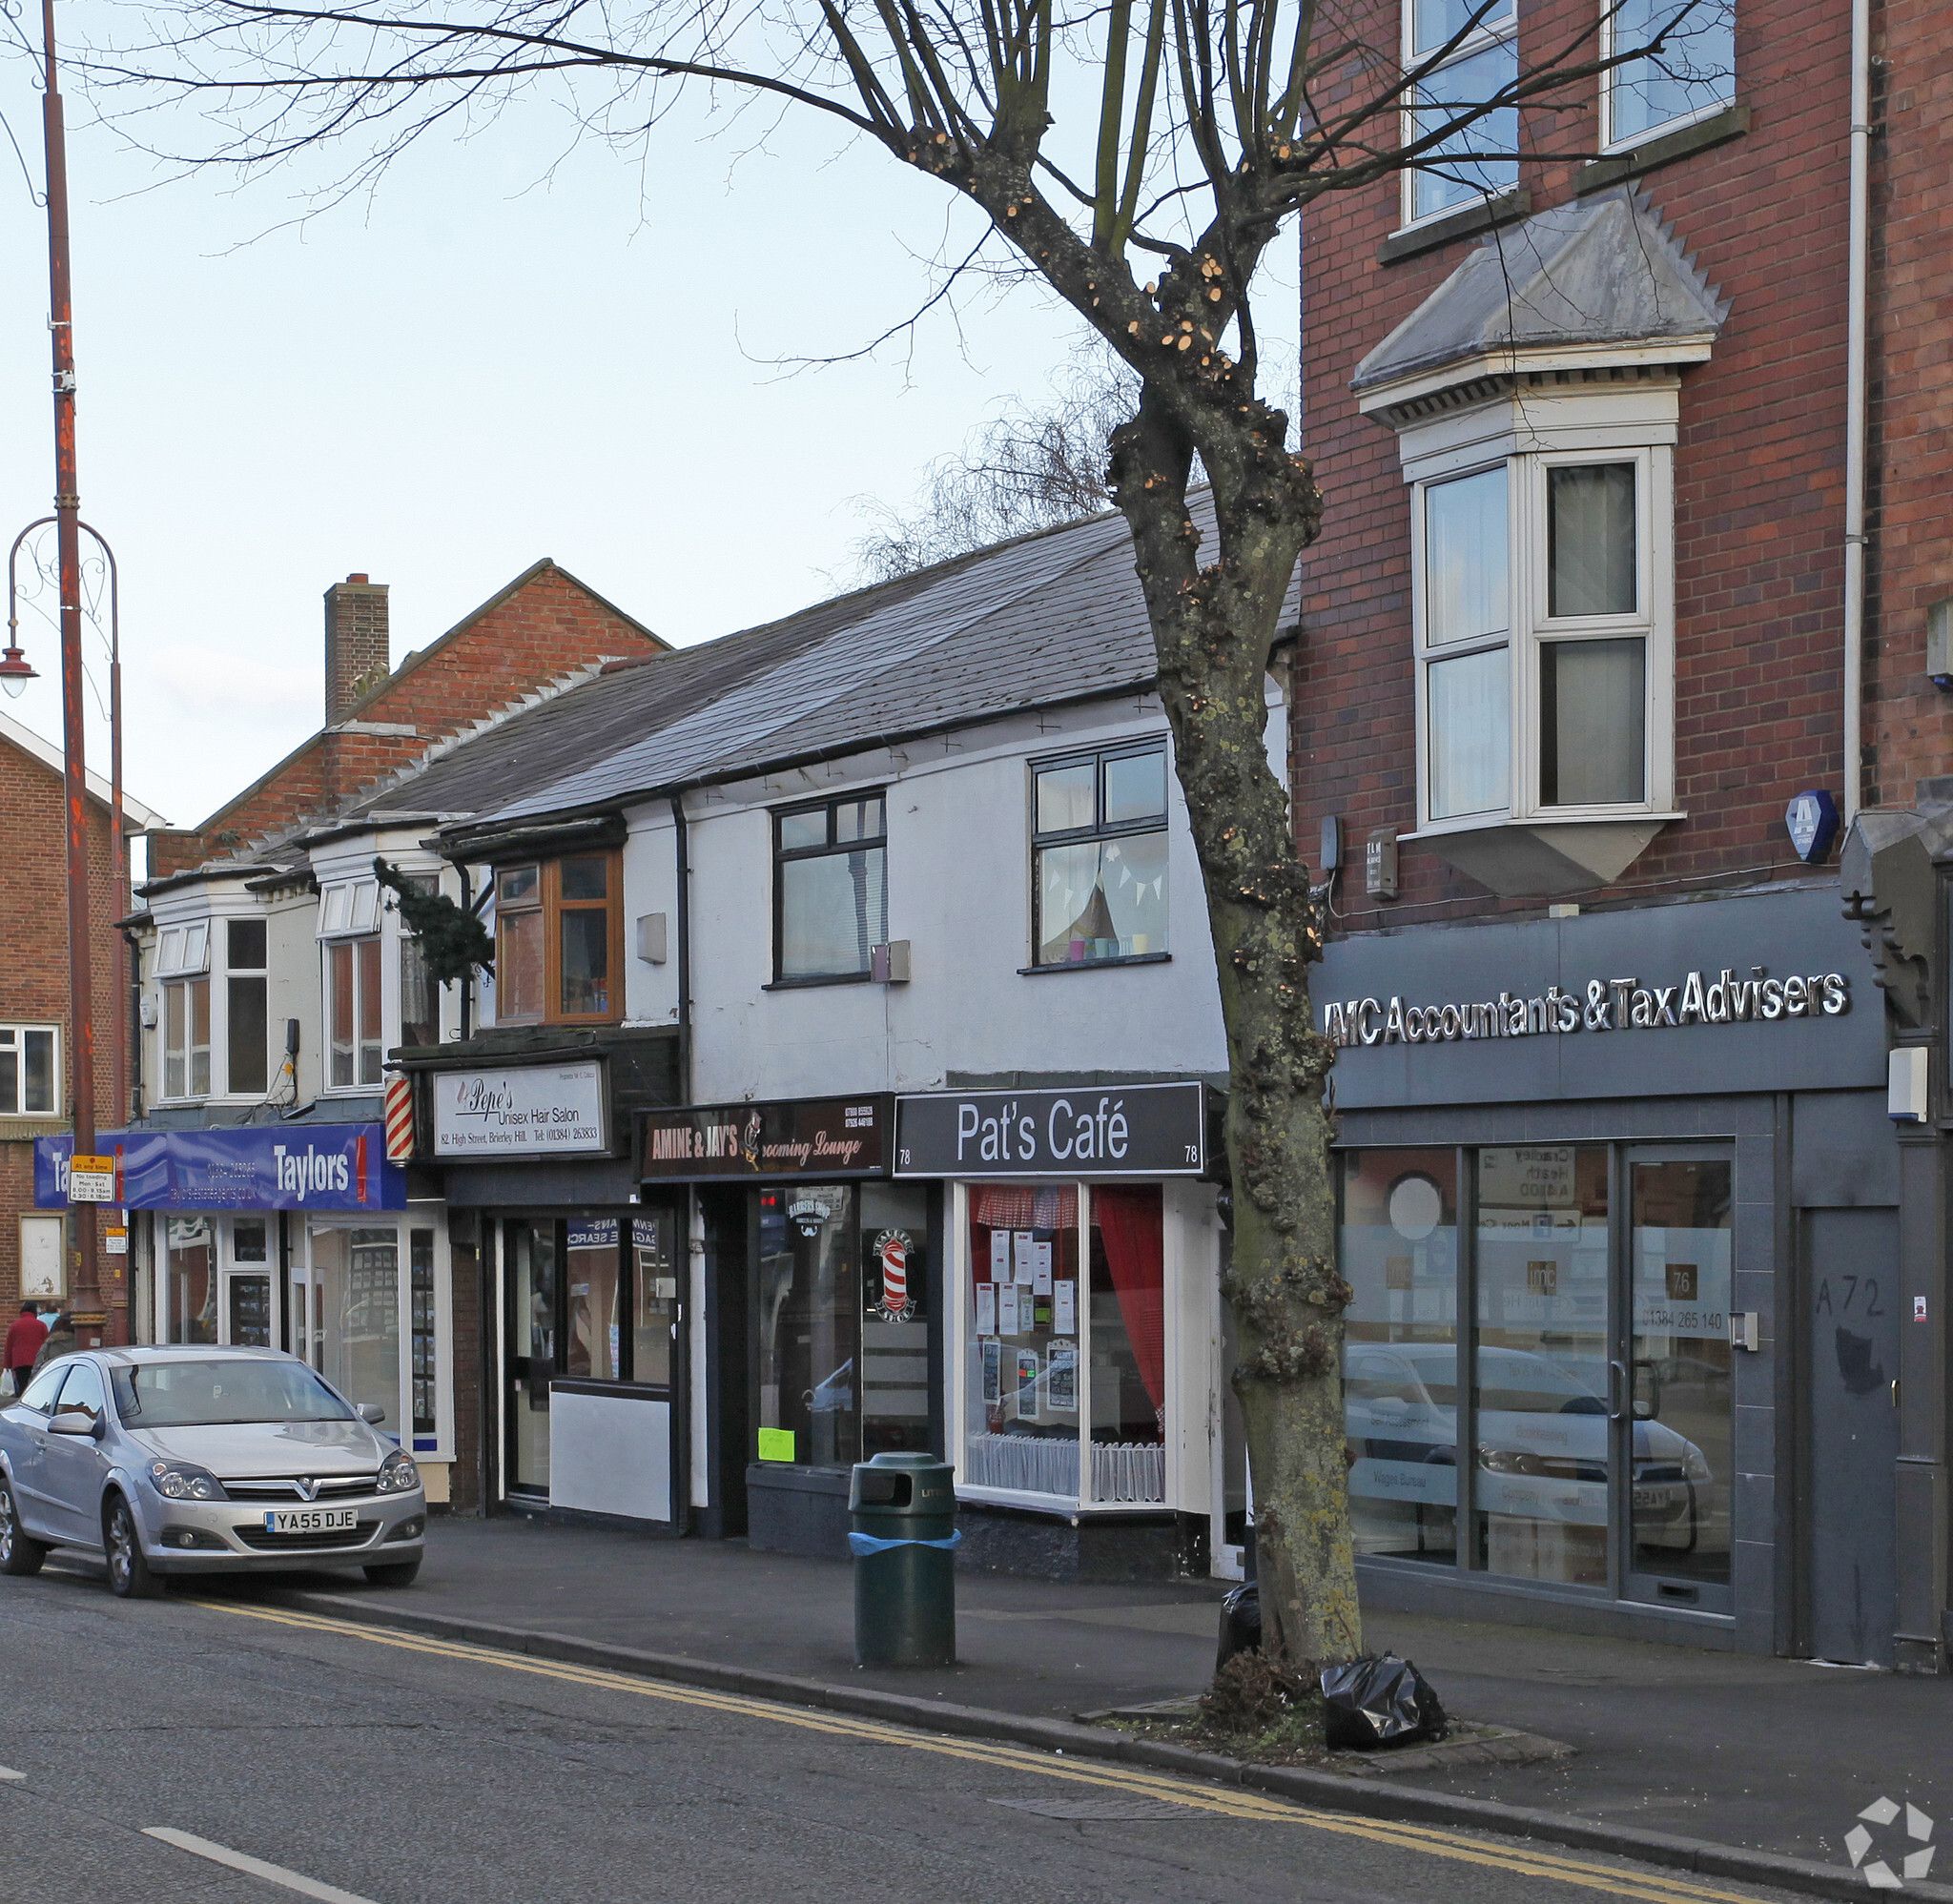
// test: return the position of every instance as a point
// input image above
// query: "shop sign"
(525, 1110)
(1130, 1130)
(826, 1137)
(1601, 1005)
(236, 1167)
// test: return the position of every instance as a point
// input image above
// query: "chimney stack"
(356, 643)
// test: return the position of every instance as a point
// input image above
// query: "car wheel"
(393, 1573)
(19, 1553)
(129, 1574)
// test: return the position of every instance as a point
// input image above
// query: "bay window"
(558, 927)
(1541, 651)
(1475, 41)
(185, 1038)
(1693, 74)
(354, 1011)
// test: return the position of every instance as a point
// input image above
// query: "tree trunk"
(1214, 627)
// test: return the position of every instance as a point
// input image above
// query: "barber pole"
(892, 1252)
(399, 1118)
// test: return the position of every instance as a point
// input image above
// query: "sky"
(515, 348)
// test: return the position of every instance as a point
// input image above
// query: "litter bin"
(902, 1508)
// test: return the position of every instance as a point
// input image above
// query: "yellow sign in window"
(776, 1444)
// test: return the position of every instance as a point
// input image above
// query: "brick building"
(35, 1090)
(1596, 651)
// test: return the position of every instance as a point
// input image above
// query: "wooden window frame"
(552, 905)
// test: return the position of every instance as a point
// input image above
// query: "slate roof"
(1049, 617)
(1603, 270)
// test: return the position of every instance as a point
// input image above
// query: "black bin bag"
(1377, 1700)
(1241, 1624)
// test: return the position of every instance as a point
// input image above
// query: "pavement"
(185, 1751)
(1774, 1755)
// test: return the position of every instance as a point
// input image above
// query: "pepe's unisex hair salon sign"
(1605, 1005)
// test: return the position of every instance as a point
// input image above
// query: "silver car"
(181, 1461)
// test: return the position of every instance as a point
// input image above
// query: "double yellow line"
(1616, 1881)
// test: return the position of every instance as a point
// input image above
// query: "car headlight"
(185, 1481)
(398, 1474)
(1695, 1464)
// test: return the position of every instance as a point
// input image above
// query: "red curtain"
(1128, 1222)
(1014, 1207)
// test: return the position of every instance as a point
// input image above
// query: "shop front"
(297, 1238)
(822, 1345)
(1618, 1205)
(1081, 1338)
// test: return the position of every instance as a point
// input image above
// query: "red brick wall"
(545, 624)
(1911, 499)
(33, 972)
(1758, 468)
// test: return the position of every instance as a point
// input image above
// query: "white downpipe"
(1859, 240)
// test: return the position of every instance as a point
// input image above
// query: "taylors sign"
(1605, 1005)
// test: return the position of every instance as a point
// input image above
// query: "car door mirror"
(73, 1422)
(372, 1412)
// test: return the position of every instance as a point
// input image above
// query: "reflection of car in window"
(834, 1395)
(1541, 1432)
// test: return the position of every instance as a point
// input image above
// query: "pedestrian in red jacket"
(22, 1343)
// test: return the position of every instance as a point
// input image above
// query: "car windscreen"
(208, 1392)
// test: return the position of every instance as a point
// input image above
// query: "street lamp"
(15, 673)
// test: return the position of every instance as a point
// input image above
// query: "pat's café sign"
(808, 1136)
(1128, 1130)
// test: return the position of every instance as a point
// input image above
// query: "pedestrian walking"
(60, 1342)
(24, 1342)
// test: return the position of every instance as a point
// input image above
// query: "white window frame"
(1615, 141)
(388, 1012)
(167, 990)
(17, 1030)
(1483, 38)
(1530, 434)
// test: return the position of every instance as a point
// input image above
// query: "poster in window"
(1064, 1302)
(1062, 1391)
(999, 1255)
(993, 1371)
(1007, 1309)
(986, 1308)
(1027, 1385)
(891, 1276)
(1041, 1268)
(1021, 1244)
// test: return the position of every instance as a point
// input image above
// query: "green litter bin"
(902, 1511)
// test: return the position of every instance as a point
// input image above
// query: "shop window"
(247, 1301)
(1693, 76)
(424, 1371)
(185, 1038)
(595, 1321)
(559, 940)
(1600, 1335)
(1128, 1371)
(842, 1323)
(1022, 1420)
(1543, 659)
(654, 1302)
(830, 906)
(27, 1070)
(247, 1044)
(356, 1281)
(354, 1011)
(190, 1280)
(1399, 1240)
(1464, 54)
(1099, 856)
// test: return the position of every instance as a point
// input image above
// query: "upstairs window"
(1541, 652)
(247, 1043)
(1476, 55)
(1693, 76)
(182, 968)
(353, 1005)
(1099, 856)
(831, 901)
(419, 995)
(28, 1076)
(559, 953)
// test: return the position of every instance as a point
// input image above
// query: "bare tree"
(1031, 466)
(1138, 158)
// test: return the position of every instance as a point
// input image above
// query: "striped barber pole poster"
(399, 1118)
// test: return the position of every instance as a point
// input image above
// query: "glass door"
(356, 1315)
(533, 1291)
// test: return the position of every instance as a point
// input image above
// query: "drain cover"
(1100, 1807)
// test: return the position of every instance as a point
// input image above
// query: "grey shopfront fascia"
(747, 1170)
(1798, 1105)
